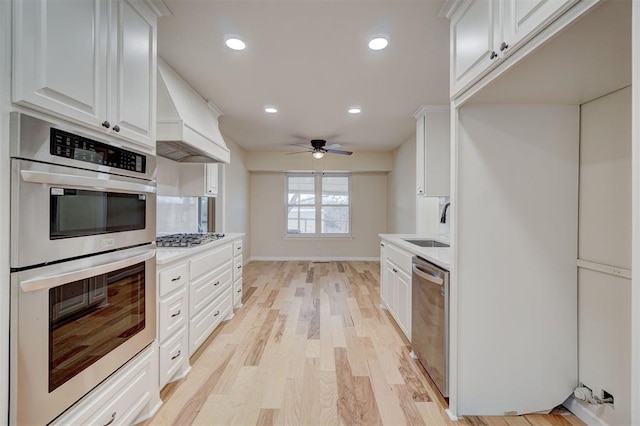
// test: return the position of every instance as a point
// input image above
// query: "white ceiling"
(310, 59)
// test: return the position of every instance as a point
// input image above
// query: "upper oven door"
(60, 212)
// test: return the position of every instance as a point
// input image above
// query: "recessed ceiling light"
(235, 43)
(355, 110)
(378, 43)
(271, 110)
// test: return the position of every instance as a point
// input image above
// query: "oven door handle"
(83, 181)
(51, 281)
(427, 276)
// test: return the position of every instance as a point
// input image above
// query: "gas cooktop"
(187, 240)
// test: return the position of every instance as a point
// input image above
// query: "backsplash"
(176, 214)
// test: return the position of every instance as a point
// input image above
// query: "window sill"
(317, 237)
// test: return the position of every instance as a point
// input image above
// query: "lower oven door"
(74, 324)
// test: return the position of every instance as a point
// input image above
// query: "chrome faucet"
(443, 218)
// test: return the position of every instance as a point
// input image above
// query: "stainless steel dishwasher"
(430, 320)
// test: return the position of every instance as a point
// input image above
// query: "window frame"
(317, 176)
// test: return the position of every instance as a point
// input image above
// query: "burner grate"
(187, 240)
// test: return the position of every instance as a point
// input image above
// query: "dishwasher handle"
(425, 275)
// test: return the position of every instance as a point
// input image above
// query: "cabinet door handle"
(113, 418)
(176, 314)
(176, 278)
(239, 267)
(493, 55)
(216, 283)
(504, 46)
(176, 355)
(106, 124)
(395, 270)
(239, 290)
(217, 313)
(116, 128)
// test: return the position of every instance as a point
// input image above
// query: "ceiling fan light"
(318, 154)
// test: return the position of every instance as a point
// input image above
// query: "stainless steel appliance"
(73, 196)
(187, 240)
(430, 320)
(83, 273)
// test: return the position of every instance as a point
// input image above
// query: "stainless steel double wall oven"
(82, 261)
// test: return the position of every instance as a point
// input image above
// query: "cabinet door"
(403, 312)
(59, 58)
(390, 296)
(384, 282)
(473, 32)
(212, 179)
(132, 99)
(524, 18)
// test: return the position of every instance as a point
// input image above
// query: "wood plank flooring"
(311, 346)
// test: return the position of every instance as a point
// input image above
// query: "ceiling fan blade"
(337, 151)
(333, 146)
(301, 144)
(298, 152)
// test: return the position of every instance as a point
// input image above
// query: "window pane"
(301, 190)
(301, 220)
(335, 190)
(335, 220)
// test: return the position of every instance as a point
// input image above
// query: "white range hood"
(187, 125)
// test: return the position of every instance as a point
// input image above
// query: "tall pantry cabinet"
(542, 158)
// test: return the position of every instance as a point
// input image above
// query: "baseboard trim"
(580, 410)
(312, 259)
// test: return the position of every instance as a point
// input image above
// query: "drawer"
(237, 293)
(173, 278)
(209, 260)
(122, 398)
(237, 247)
(401, 258)
(206, 321)
(237, 267)
(173, 356)
(173, 314)
(205, 289)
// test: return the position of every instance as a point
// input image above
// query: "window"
(318, 198)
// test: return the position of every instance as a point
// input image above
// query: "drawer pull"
(113, 418)
(217, 313)
(176, 278)
(176, 314)
(239, 267)
(239, 290)
(176, 355)
(216, 283)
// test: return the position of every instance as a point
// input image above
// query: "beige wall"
(267, 221)
(402, 190)
(236, 194)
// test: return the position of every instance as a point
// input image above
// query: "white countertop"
(169, 254)
(441, 256)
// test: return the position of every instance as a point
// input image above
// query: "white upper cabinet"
(433, 151)
(483, 32)
(198, 180)
(92, 62)
(133, 106)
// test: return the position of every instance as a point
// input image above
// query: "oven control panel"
(68, 145)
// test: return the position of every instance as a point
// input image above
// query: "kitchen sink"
(427, 243)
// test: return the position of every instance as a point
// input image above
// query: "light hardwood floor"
(311, 346)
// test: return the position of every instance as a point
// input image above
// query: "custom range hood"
(187, 125)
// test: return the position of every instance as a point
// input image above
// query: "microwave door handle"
(51, 281)
(83, 181)
(427, 276)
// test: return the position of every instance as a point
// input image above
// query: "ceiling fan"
(319, 147)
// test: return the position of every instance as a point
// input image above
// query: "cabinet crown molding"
(159, 8)
(449, 8)
(423, 109)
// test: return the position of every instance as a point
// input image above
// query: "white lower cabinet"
(196, 293)
(237, 273)
(395, 288)
(129, 396)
